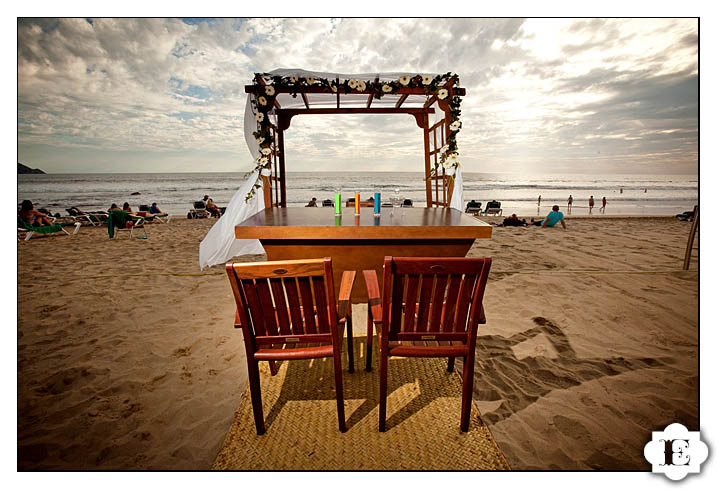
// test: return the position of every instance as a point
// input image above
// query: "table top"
(320, 223)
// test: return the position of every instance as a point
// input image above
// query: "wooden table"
(362, 242)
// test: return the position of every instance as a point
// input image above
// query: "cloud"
(539, 91)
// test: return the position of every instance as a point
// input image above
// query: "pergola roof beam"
(401, 100)
(359, 110)
(371, 97)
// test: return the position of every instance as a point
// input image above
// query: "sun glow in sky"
(543, 95)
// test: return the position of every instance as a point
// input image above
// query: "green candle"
(337, 203)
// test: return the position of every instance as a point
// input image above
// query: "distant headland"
(23, 169)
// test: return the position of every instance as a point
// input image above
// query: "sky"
(568, 95)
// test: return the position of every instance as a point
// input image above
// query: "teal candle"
(377, 203)
(337, 203)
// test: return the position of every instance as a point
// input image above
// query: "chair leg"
(383, 374)
(451, 365)
(467, 392)
(340, 390)
(350, 344)
(255, 391)
(273, 368)
(369, 338)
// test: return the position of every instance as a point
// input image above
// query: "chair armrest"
(345, 293)
(374, 297)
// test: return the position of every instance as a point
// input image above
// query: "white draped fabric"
(219, 245)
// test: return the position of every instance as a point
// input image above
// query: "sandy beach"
(128, 359)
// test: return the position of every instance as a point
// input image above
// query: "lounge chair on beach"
(273, 299)
(685, 216)
(493, 207)
(29, 230)
(199, 211)
(430, 307)
(122, 221)
(408, 203)
(95, 218)
(149, 217)
(327, 203)
(473, 207)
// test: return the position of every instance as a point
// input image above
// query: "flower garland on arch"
(263, 102)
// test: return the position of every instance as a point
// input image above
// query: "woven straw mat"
(302, 433)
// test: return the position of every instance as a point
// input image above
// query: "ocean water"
(661, 195)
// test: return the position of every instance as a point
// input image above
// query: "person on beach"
(154, 209)
(539, 201)
(603, 204)
(312, 203)
(211, 207)
(590, 204)
(555, 216)
(513, 220)
(127, 209)
(570, 203)
(114, 207)
(32, 216)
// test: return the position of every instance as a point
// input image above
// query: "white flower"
(333, 87)
(361, 86)
(454, 126)
(262, 100)
(266, 172)
(442, 93)
(269, 90)
(352, 83)
(404, 80)
(444, 149)
(260, 116)
(386, 88)
(266, 151)
(450, 171)
(426, 79)
(260, 140)
(263, 160)
(310, 80)
(452, 159)
(293, 79)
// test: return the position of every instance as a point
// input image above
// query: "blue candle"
(377, 203)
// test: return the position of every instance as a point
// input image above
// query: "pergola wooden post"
(435, 137)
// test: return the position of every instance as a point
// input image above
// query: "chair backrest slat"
(268, 311)
(396, 299)
(305, 292)
(462, 309)
(437, 302)
(320, 297)
(448, 314)
(281, 305)
(253, 306)
(410, 309)
(295, 310)
(427, 287)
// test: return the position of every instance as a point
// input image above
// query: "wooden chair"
(431, 307)
(286, 310)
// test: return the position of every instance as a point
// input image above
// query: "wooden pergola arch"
(439, 185)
